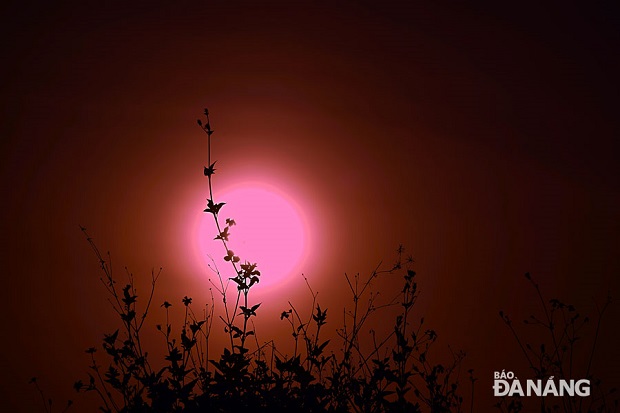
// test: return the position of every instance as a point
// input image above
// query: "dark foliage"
(559, 329)
(395, 374)
(393, 371)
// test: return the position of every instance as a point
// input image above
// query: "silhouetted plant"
(554, 357)
(47, 402)
(380, 372)
(394, 373)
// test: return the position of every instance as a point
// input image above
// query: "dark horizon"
(483, 139)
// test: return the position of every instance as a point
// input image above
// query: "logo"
(506, 384)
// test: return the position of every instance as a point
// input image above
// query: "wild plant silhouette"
(559, 332)
(393, 372)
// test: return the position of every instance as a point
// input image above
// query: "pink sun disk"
(269, 230)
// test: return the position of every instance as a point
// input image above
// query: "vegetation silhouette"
(559, 330)
(393, 372)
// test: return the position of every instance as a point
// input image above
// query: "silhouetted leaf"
(237, 331)
(127, 298)
(320, 316)
(78, 385)
(230, 256)
(238, 281)
(186, 342)
(223, 235)
(213, 208)
(111, 338)
(194, 327)
(248, 312)
(129, 316)
(174, 355)
(210, 170)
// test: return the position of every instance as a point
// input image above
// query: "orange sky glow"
(484, 140)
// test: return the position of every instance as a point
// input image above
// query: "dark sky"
(482, 138)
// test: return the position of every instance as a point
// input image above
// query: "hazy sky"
(484, 139)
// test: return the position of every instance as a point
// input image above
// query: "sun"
(269, 229)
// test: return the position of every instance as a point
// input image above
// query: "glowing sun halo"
(270, 231)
